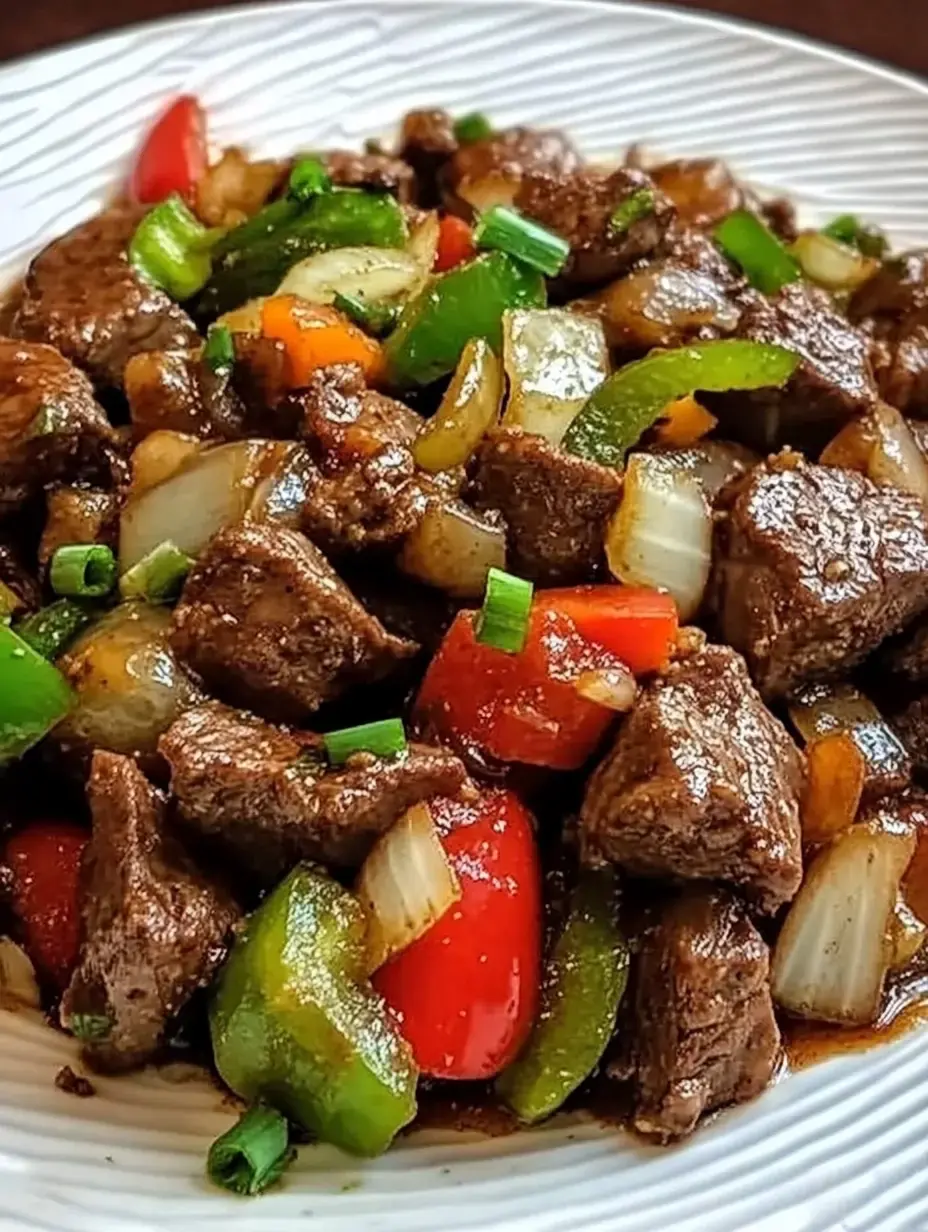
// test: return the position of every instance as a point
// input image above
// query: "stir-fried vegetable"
(406, 884)
(49, 630)
(454, 548)
(252, 1155)
(385, 738)
(171, 248)
(82, 571)
(683, 422)
(881, 446)
(34, 696)
(317, 336)
(506, 230)
(554, 360)
(455, 244)
(613, 687)
(466, 991)
(636, 206)
(375, 319)
(750, 244)
(831, 264)
(469, 408)
(472, 127)
(467, 302)
(834, 949)
(369, 274)
(173, 156)
(19, 988)
(661, 533)
(294, 1021)
(308, 179)
(219, 352)
(502, 622)
(633, 398)
(867, 239)
(157, 577)
(582, 984)
(836, 771)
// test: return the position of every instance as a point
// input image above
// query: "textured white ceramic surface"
(844, 1146)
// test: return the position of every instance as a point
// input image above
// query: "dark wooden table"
(891, 30)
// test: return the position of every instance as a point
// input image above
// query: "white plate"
(842, 1146)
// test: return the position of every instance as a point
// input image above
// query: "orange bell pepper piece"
(316, 336)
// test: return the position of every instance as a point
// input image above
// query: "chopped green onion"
(34, 695)
(83, 570)
(308, 179)
(219, 351)
(750, 244)
(377, 319)
(157, 577)
(508, 231)
(169, 249)
(472, 127)
(503, 619)
(386, 738)
(89, 1026)
(638, 205)
(48, 419)
(848, 229)
(253, 1154)
(50, 629)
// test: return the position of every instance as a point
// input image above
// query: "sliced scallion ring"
(508, 231)
(83, 570)
(503, 620)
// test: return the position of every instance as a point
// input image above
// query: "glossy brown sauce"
(905, 1007)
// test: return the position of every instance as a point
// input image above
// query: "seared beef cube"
(261, 378)
(78, 515)
(268, 798)
(902, 368)
(484, 173)
(555, 506)
(236, 187)
(178, 391)
(910, 723)
(893, 307)
(267, 623)
(704, 1030)
(813, 568)
(51, 426)
(703, 190)
(897, 289)
(427, 141)
(579, 207)
(154, 929)
(380, 172)
(82, 295)
(833, 382)
(371, 492)
(702, 782)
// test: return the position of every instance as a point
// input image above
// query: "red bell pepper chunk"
(173, 156)
(45, 860)
(466, 992)
(637, 624)
(455, 244)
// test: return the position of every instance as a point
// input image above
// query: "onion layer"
(831, 264)
(406, 884)
(906, 933)
(372, 274)
(469, 408)
(453, 548)
(881, 446)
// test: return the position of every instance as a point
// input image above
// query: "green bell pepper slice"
(256, 255)
(583, 983)
(632, 399)
(34, 695)
(466, 302)
(295, 1022)
(751, 245)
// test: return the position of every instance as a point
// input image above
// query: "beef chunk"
(267, 796)
(813, 568)
(485, 173)
(82, 295)
(555, 505)
(265, 620)
(893, 307)
(427, 141)
(898, 289)
(703, 190)
(910, 722)
(51, 426)
(833, 382)
(154, 929)
(236, 187)
(702, 781)
(371, 492)
(704, 1030)
(178, 391)
(79, 515)
(381, 172)
(579, 206)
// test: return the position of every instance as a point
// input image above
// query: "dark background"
(891, 30)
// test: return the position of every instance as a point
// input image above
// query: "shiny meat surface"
(179, 392)
(893, 308)
(485, 173)
(78, 515)
(81, 295)
(555, 506)
(52, 429)
(703, 190)
(701, 782)
(155, 930)
(267, 798)
(813, 569)
(427, 141)
(380, 172)
(267, 623)
(704, 1030)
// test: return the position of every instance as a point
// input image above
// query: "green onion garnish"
(157, 577)
(638, 205)
(308, 179)
(169, 249)
(48, 419)
(508, 231)
(386, 738)
(745, 240)
(83, 570)
(503, 620)
(377, 319)
(89, 1026)
(848, 229)
(472, 127)
(219, 351)
(51, 628)
(252, 1154)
